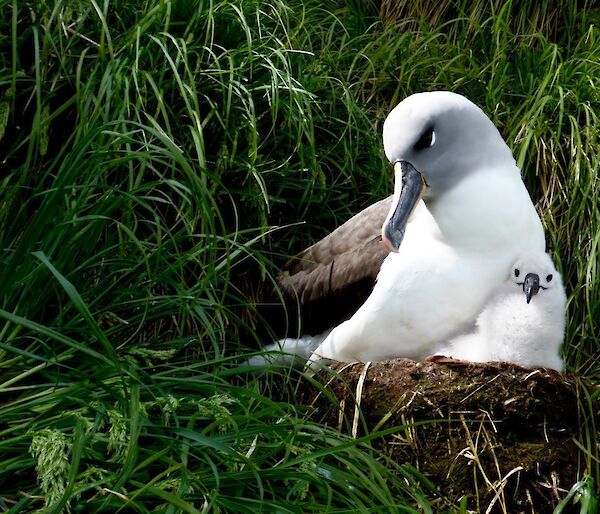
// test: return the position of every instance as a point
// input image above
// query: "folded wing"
(331, 279)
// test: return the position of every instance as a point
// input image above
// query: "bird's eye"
(548, 278)
(426, 140)
(517, 272)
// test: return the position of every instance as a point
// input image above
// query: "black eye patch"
(548, 278)
(425, 140)
(517, 272)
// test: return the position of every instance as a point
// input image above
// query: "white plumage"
(511, 329)
(472, 223)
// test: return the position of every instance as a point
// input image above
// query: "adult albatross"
(459, 216)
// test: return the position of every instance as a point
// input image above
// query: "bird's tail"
(288, 352)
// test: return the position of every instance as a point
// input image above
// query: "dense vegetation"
(150, 154)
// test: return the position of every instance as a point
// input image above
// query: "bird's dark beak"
(531, 285)
(409, 187)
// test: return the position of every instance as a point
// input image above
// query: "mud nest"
(500, 437)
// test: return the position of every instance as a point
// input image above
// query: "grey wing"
(333, 277)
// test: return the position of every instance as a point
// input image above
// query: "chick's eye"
(426, 140)
(548, 278)
(517, 272)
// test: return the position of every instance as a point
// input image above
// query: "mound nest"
(500, 437)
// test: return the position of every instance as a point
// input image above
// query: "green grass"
(149, 154)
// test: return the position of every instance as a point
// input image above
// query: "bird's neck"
(488, 210)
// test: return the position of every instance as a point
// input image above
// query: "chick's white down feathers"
(510, 329)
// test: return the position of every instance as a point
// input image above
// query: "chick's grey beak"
(409, 187)
(531, 285)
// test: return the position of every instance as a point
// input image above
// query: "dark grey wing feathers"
(338, 272)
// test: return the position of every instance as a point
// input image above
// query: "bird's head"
(434, 140)
(534, 273)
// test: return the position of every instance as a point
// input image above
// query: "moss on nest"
(503, 437)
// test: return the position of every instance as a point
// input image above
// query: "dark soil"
(499, 435)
